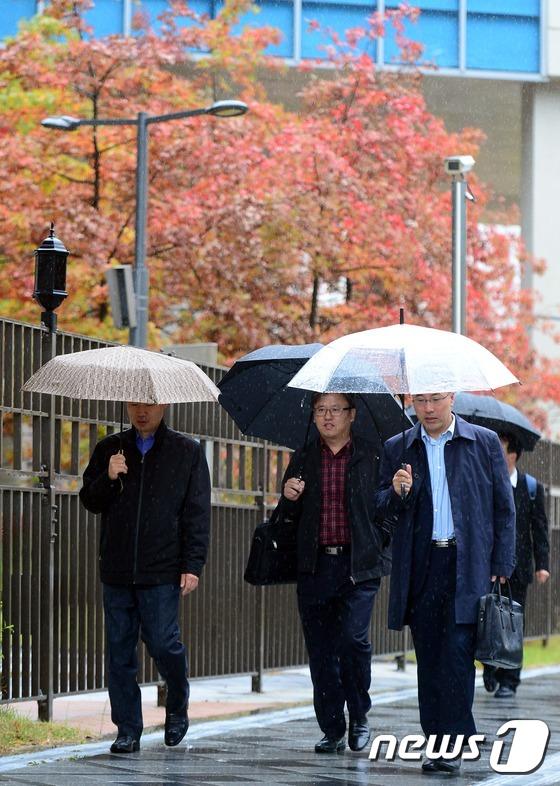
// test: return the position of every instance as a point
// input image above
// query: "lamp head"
(50, 272)
(227, 108)
(61, 122)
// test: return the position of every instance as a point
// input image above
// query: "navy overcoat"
(483, 516)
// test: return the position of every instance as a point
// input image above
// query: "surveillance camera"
(458, 164)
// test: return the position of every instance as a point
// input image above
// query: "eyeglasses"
(421, 401)
(336, 412)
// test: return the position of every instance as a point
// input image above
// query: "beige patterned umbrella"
(123, 373)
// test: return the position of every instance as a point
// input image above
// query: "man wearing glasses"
(342, 554)
(449, 494)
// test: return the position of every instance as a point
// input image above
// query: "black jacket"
(370, 540)
(531, 528)
(157, 526)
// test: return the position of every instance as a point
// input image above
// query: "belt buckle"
(333, 550)
(444, 543)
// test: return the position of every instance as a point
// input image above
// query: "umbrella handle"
(403, 490)
(121, 451)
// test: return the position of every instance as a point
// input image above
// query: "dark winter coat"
(483, 516)
(156, 526)
(370, 541)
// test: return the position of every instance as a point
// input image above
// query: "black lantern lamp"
(50, 277)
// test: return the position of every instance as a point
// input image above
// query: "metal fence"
(51, 613)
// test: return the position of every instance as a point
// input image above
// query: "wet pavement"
(277, 748)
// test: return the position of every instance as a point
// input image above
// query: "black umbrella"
(494, 414)
(254, 392)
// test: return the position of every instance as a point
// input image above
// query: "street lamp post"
(139, 334)
(458, 166)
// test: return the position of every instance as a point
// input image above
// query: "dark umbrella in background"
(255, 393)
(498, 416)
(493, 414)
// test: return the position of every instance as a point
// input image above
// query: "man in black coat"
(152, 488)
(342, 554)
(531, 552)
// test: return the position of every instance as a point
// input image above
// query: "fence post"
(49, 514)
(257, 677)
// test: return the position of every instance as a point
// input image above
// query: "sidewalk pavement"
(212, 699)
(272, 741)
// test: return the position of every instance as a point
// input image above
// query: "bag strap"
(531, 486)
(500, 600)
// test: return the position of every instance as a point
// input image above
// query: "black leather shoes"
(125, 744)
(489, 679)
(504, 692)
(175, 729)
(441, 767)
(359, 734)
(330, 745)
(451, 767)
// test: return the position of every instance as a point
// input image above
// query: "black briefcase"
(273, 555)
(499, 640)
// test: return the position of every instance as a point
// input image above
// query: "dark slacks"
(150, 612)
(444, 651)
(335, 614)
(510, 678)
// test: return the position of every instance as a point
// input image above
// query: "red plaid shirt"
(334, 529)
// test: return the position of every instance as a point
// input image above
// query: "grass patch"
(535, 654)
(19, 734)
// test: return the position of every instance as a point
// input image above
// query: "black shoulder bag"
(273, 554)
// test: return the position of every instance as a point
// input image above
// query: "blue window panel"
(272, 14)
(503, 43)
(367, 6)
(105, 18)
(437, 32)
(338, 19)
(501, 8)
(426, 5)
(151, 9)
(155, 8)
(12, 13)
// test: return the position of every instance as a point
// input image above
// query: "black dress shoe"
(489, 679)
(441, 767)
(330, 745)
(505, 692)
(429, 767)
(175, 729)
(125, 744)
(359, 734)
(449, 766)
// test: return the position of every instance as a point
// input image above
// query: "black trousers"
(335, 614)
(444, 651)
(510, 678)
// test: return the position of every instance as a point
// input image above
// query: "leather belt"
(335, 551)
(444, 543)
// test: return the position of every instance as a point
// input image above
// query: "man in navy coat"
(449, 496)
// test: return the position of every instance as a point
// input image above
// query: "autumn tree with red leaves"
(280, 226)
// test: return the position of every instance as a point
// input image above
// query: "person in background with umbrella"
(452, 504)
(154, 501)
(532, 552)
(343, 552)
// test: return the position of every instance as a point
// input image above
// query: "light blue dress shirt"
(435, 448)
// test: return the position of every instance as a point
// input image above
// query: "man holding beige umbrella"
(151, 486)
